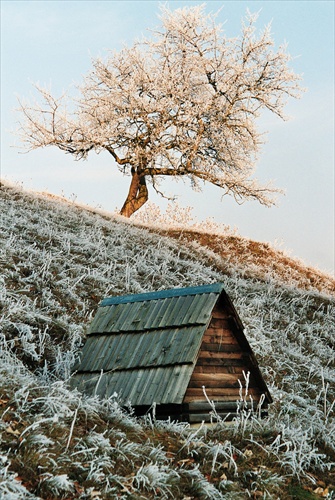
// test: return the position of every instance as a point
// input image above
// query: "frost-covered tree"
(182, 103)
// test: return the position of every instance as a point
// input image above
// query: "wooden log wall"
(221, 363)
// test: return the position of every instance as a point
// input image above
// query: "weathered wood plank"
(214, 384)
(219, 340)
(220, 347)
(216, 323)
(213, 393)
(190, 398)
(217, 380)
(219, 332)
(224, 362)
(209, 377)
(219, 313)
(221, 355)
(219, 369)
(200, 406)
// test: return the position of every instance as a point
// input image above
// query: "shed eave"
(160, 385)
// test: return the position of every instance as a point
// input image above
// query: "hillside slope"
(254, 259)
(57, 262)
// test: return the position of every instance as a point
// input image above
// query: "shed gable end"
(221, 363)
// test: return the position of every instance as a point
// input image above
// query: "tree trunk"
(137, 195)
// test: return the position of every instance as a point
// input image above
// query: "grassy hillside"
(57, 261)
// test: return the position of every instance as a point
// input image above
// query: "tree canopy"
(183, 102)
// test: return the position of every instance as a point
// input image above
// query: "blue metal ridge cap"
(163, 294)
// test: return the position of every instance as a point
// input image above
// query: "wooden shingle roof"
(144, 347)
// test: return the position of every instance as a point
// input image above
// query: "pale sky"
(52, 43)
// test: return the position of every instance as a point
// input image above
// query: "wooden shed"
(164, 347)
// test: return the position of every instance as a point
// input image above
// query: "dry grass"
(254, 259)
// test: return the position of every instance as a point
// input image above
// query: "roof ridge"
(163, 294)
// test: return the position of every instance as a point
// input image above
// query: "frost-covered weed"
(59, 485)
(156, 478)
(223, 452)
(168, 425)
(200, 486)
(41, 441)
(295, 451)
(262, 481)
(12, 489)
